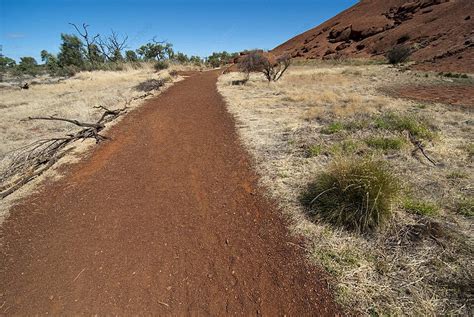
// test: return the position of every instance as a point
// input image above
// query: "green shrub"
(332, 128)
(417, 126)
(385, 144)
(355, 194)
(160, 65)
(422, 208)
(398, 54)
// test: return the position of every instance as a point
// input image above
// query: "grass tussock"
(354, 194)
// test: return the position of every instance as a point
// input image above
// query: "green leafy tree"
(7, 62)
(28, 65)
(131, 56)
(181, 58)
(196, 60)
(95, 55)
(218, 59)
(71, 51)
(156, 51)
(51, 62)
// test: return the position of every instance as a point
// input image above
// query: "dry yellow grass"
(384, 273)
(73, 98)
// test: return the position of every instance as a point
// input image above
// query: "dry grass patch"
(420, 262)
(74, 98)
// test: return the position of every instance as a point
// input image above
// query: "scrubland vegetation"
(86, 51)
(379, 186)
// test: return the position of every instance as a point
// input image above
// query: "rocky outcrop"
(438, 31)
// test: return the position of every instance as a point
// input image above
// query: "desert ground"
(421, 262)
(329, 176)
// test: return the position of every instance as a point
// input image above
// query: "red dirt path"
(164, 219)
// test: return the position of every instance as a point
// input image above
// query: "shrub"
(453, 75)
(422, 208)
(385, 143)
(272, 67)
(149, 85)
(417, 126)
(398, 54)
(160, 65)
(354, 194)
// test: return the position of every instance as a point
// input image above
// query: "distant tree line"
(83, 51)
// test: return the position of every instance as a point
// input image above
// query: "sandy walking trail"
(165, 218)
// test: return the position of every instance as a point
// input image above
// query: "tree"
(28, 65)
(151, 51)
(51, 62)
(196, 60)
(91, 47)
(131, 56)
(182, 58)
(258, 61)
(112, 46)
(218, 59)
(71, 51)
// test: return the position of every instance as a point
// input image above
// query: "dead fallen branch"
(34, 159)
(419, 147)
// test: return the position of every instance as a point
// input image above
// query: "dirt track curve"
(163, 219)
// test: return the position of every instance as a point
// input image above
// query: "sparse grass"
(465, 207)
(314, 150)
(386, 144)
(422, 208)
(332, 128)
(344, 147)
(417, 126)
(457, 175)
(355, 194)
(386, 272)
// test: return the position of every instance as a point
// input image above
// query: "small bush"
(271, 66)
(149, 85)
(453, 75)
(332, 128)
(421, 208)
(398, 54)
(354, 194)
(385, 144)
(418, 127)
(160, 65)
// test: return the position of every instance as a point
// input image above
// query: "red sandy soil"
(448, 94)
(166, 218)
(440, 31)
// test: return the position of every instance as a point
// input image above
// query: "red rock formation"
(441, 33)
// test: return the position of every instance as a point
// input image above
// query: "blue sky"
(194, 27)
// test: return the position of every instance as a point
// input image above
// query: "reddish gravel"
(164, 219)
